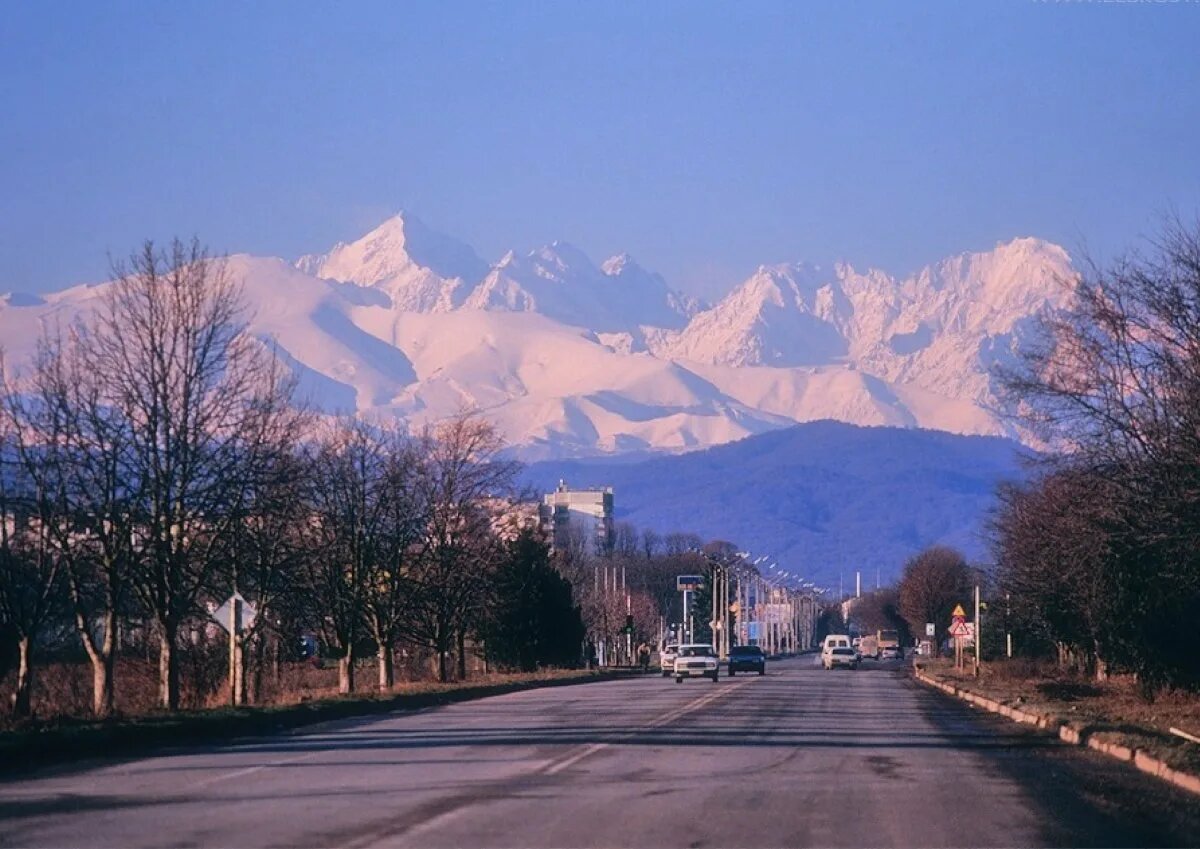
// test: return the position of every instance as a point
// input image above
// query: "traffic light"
(628, 623)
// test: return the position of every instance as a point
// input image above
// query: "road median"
(1144, 745)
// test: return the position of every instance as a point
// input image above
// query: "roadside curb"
(1075, 735)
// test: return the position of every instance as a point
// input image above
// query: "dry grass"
(62, 691)
(1113, 711)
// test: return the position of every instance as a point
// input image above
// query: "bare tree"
(462, 471)
(677, 543)
(395, 554)
(75, 450)
(625, 543)
(30, 579)
(880, 610)
(1051, 549)
(348, 496)
(1114, 385)
(651, 543)
(204, 403)
(934, 581)
(262, 558)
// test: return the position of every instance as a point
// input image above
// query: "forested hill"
(824, 497)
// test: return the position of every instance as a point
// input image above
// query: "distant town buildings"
(583, 516)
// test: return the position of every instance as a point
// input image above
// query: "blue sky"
(704, 138)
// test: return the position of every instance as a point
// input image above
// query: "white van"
(838, 651)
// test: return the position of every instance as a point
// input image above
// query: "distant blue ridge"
(820, 497)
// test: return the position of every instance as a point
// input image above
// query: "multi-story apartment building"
(588, 512)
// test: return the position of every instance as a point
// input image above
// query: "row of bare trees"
(152, 462)
(632, 574)
(1100, 555)
(131, 447)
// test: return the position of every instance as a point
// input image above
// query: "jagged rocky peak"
(401, 245)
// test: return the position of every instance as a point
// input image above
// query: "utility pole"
(715, 597)
(978, 631)
(1008, 625)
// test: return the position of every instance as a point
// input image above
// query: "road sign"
(930, 630)
(222, 615)
(958, 613)
(689, 583)
(959, 629)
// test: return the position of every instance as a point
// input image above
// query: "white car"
(696, 660)
(666, 659)
(840, 657)
(838, 651)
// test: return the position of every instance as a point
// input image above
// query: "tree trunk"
(346, 671)
(1101, 665)
(168, 666)
(103, 659)
(258, 653)
(239, 670)
(462, 656)
(22, 698)
(386, 676)
(102, 686)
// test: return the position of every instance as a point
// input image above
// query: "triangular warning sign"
(960, 629)
(959, 613)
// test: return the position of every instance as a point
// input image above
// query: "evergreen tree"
(533, 620)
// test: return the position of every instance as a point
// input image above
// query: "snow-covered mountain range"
(571, 358)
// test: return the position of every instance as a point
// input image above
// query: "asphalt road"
(801, 757)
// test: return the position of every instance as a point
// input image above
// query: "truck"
(868, 646)
(889, 644)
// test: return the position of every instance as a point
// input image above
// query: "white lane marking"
(587, 751)
(238, 773)
(575, 758)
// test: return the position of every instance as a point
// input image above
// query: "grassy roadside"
(1111, 712)
(64, 741)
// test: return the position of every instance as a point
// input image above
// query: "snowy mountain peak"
(615, 265)
(399, 244)
(563, 261)
(420, 269)
(571, 357)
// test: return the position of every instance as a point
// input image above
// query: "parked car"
(666, 659)
(747, 659)
(841, 657)
(696, 660)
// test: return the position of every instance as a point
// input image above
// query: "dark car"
(747, 659)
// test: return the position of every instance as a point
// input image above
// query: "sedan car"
(747, 659)
(666, 659)
(840, 657)
(695, 661)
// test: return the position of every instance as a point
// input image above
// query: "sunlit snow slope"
(573, 358)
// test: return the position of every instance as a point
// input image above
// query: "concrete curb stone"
(1075, 735)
